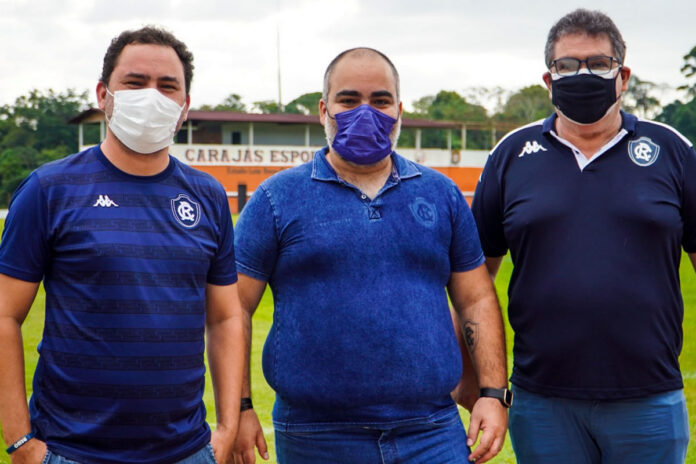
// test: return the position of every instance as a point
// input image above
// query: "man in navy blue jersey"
(594, 206)
(136, 254)
(360, 247)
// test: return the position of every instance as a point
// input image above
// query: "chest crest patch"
(424, 212)
(643, 151)
(186, 211)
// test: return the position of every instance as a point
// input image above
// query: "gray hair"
(359, 51)
(592, 23)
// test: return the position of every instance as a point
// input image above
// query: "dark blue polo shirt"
(125, 261)
(361, 329)
(595, 299)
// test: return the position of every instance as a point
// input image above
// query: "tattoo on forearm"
(470, 330)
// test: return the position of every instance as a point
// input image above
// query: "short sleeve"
(256, 240)
(222, 269)
(25, 246)
(487, 208)
(688, 210)
(465, 249)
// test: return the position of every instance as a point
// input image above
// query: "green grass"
(264, 397)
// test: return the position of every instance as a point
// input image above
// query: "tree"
(307, 103)
(233, 102)
(447, 106)
(40, 120)
(689, 70)
(422, 107)
(450, 106)
(35, 130)
(681, 116)
(527, 105)
(267, 107)
(638, 99)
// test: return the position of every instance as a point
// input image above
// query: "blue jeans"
(649, 430)
(203, 456)
(439, 441)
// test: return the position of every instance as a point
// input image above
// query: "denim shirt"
(361, 328)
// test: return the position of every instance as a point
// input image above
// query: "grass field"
(263, 395)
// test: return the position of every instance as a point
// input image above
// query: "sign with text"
(286, 155)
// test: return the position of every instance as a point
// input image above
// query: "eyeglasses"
(595, 65)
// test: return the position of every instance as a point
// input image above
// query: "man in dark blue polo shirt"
(136, 253)
(360, 247)
(594, 205)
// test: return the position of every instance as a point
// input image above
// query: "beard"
(330, 129)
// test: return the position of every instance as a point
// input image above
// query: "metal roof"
(95, 115)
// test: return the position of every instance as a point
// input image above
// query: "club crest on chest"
(186, 211)
(643, 151)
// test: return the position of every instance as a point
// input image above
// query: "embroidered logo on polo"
(186, 211)
(643, 151)
(531, 147)
(424, 212)
(104, 201)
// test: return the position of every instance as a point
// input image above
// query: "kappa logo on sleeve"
(186, 211)
(643, 151)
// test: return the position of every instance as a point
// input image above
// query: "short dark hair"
(360, 51)
(147, 35)
(582, 21)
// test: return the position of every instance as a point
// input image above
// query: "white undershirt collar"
(580, 158)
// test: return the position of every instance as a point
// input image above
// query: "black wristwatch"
(501, 394)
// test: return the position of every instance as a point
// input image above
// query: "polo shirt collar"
(628, 122)
(628, 126)
(401, 167)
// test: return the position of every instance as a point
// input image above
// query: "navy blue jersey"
(125, 261)
(594, 298)
(361, 328)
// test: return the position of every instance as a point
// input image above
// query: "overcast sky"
(435, 44)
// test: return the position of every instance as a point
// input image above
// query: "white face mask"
(144, 120)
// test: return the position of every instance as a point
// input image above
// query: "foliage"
(233, 102)
(451, 106)
(689, 71)
(307, 103)
(447, 105)
(527, 105)
(267, 107)
(638, 99)
(34, 130)
(681, 116)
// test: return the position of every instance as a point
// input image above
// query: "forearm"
(482, 326)
(227, 342)
(493, 265)
(14, 413)
(250, 293)
(246, 377)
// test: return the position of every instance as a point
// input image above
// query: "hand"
(250, 435)
(222, 440)
(466, 392)
(32, 452)
(490, 417)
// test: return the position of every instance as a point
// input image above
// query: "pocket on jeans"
(445, 420)
(209, 447)
(47, 457)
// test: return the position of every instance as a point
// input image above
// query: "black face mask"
(583, 98)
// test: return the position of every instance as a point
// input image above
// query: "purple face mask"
(362, 135)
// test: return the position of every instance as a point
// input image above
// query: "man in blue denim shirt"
(360, 247)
